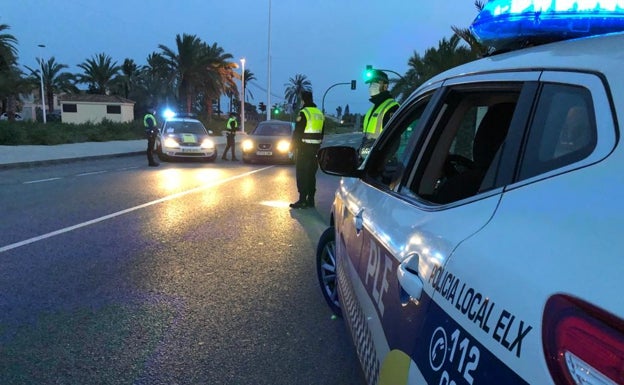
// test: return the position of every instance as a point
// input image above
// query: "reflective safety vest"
(373, 121)
(313, 132)
(227, 125)
(146, 117)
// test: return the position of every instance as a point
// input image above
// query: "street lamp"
(243, 97)
(43, 109)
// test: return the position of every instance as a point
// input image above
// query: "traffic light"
(276, 109)
(262, 106)
(368, 74)
(352, 84)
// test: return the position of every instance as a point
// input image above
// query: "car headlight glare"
(170, 142)
(283, 146)
(247, 145)
(207, 143)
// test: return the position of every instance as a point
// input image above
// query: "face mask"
(374, 89)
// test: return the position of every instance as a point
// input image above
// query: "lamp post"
(243, 96)
(43, 108)
(268, 110)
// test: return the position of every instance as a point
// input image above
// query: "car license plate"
(191, 149)
(265, 153)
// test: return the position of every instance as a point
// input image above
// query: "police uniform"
(231, 126)
(151, 132)
(306, 139)
(382, 109)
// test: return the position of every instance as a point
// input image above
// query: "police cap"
(377, 76)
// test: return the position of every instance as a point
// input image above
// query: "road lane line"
(128, 210)
(92, 173)
(41, 180)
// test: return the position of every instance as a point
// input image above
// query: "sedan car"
(479, 242)
(5, 116)
(185, 138)
(269, 142)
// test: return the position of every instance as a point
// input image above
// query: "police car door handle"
(410, 283)
(358, 221)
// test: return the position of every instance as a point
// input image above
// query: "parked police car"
(480, 241)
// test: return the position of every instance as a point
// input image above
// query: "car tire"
(326, 269)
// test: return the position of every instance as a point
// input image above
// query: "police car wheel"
(326, 269)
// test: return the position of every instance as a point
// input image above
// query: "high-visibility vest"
(313, 132)
(227, 125)
(146, 117)
(373, 121)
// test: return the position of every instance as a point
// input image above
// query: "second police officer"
(230, 128)
(151, 132)
(306, 140)
(380, 112)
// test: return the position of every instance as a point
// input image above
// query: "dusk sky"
(328, 41)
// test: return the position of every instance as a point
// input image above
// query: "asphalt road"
(191, 273)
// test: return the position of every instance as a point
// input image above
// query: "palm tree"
(54, 81)
(185, 63)
(249, 76)
(127, 81)
(218, 76)
(294, 87)
(9, 73)
(100, 73)
(448, 54)
(464, 33)
(8, 51)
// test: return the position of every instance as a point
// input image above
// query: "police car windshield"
(273, 129)
(186, 127)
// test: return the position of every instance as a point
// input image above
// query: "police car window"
(563, 130)
(461, 156)
(389, 157)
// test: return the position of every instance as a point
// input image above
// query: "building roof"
(93, 98)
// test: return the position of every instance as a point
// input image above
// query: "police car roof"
(598, 54)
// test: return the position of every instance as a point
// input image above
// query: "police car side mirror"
(339, 160)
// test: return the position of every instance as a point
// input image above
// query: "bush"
(37, 133)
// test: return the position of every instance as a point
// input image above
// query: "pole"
(43, 101)
(268, 110)
(332, 86)
(243, 97)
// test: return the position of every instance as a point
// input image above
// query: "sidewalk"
(25, 156)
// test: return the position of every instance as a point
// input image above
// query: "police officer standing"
(230, 129)
(151, 131)
(306, 140)
(383, 107)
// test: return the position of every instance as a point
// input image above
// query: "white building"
(95, 108)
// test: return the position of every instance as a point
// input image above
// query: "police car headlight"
(170, 142)
(283, 146)
(247, 145)
(208, 144)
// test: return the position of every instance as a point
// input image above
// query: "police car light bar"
(515, 23)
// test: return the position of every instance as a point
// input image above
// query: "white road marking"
(41, 180)
(92, 173)
(126, 211)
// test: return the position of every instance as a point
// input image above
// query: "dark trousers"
(151, 140)
(230, 142)
(305, 169)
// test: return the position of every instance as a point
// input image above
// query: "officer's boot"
(310, 200)
(300, 204)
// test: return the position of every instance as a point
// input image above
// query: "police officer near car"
(382, 109)
(231, 126)
(151, 132)
(306, 140)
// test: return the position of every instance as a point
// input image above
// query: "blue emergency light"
(510, 24)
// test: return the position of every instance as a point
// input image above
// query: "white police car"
(480, 242)
(185, 137)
